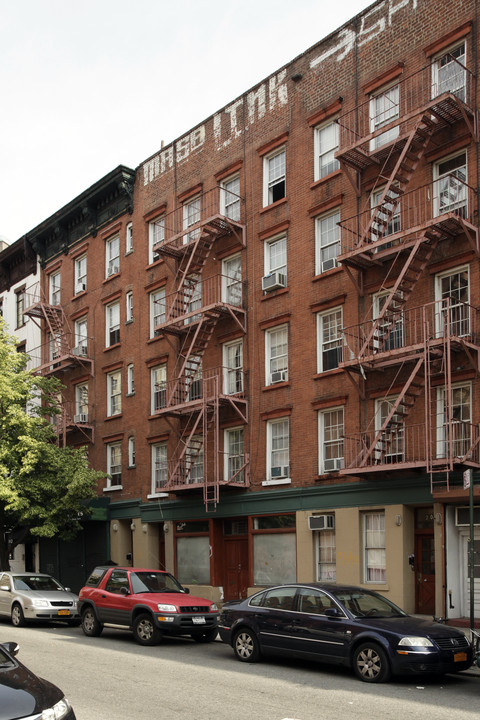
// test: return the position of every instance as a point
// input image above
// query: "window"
(114, 465)
(192, 296)
(194, 460)
(449, 72)
(81, 339)
(112, 322)
(234, 455)
(157, 311)
(193, 378)
(129, 238)
(233, 367)
(156, 236)
(276, 361)
(374, 559)
(80, 274)
(327, 242)
(191, 216)
(81, 403)
(130, 380)
(390, 212)
(274, 177)
(193, 552)
(329, 340)
(390, 446)
(388, 335)
(232, 281)
(131, 451)
(384, 109)
(112, 258)
(274, 550)
(54, 288)
(158, 384)
(454, 423)
(450, 188)
(452, 295)
(325, 147)
(230, 198)
(330, 440)
(278, 449)
(326, 556)
(129, 305)
(276, 258)
(19, 308)
(114, 393)
(159, 467)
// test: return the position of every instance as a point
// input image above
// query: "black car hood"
(22, 693)
(411, 626)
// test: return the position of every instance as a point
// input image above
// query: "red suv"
(152, 603)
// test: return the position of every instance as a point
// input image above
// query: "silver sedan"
(36, 596)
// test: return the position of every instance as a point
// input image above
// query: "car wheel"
(246, 646)
(18, 618)
(370, 663)
(90, 624)
(205, 637)
(145, 631)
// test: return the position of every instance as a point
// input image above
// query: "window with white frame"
(80, 274)
(54, 288)
(158, 388)
(193, 378)
(275, 251)
(454, 421)
(274, 551)
(276, 360)
(278, 464)
(391, 445)
(192, 295)
(330, 440)
(81, 339)
(329, 339)
(449, 72)
(114, 465)
(374, 555)
(450, 186)
(194, 460)
(234, 455)
(129, 238)
(112, 256)
(157, 311)
(233, 367)
(130, 380)
(19, 308)
(388, 335)
(274, 177)
(325, 147)
(230, 198)
(326, 556)
(81, 403)
(232, 280)
(384, 109)
(112, 323)
(388, 218)
(452, 297)
(192, 212)
(114, 393)
(159, 467)
(131, 451)
(156, 237)
(129, 306)
(327, 242)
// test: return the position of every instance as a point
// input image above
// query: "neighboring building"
(276, 352)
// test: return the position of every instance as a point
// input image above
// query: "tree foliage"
(43, 487)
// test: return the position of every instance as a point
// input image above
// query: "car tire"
(370, 663)
(90, 625)
(145, 631)
(246, 646)
(17, 616)
(205, 637)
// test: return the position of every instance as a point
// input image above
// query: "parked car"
(36, 596)
(344, 625)
(24, 695)
(151, 603)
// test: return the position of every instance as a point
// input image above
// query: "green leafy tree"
(44, 488)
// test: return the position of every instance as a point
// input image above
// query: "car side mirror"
(67, 589)
(124, 591)
(186, 590)
(332, 612)
(11, 647)
(5, 587)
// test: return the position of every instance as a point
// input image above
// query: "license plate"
(460, 657)
(64, 612)
(198, 620)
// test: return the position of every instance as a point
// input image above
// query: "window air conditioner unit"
(81, 286)
(280, 471)
(329, 264)
(279, 376)
(333, 464)
(273, 281)
(80, 351)
(321, 522)
(112, 270)
(81, 418)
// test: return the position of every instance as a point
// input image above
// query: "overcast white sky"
(88, 85)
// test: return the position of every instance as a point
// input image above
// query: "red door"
(236, 568)
(424, 574)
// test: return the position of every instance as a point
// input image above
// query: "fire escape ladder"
(197, 257)
(211, 426)
(442, 470)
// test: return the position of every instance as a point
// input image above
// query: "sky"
(87, 86)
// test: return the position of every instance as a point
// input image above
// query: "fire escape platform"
(184, 324)
(217, 225)
(393, 467)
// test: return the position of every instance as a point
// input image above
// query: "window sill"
(79, 294)
(286, 383)
(153, 496)
(325, 179)
(130, 394)
(128, 322)
(113, 417)
(282, 201)
(113, 488)
(112, 347)
(328, 373)
(275, 481)
(155, 263)
(154, 339)
(274, 293)
(129, 252)
(327, 273)
(111, 277)
(131, 467)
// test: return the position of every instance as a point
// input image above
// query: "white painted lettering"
(256, 99)
(277, 90)
(368, 33)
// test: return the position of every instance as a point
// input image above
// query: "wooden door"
(424, 574)
(236, 568)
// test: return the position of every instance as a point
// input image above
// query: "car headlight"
(166, 608)
(214, 608)
(58, 711)
(38, 603)
(413, 641)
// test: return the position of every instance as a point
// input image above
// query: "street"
(112, 676)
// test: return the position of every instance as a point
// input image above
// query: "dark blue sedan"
(344, 625)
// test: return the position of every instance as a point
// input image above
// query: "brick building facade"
(274, 344)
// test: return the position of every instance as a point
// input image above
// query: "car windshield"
(154, 582)
(368, 604)
(35, 582)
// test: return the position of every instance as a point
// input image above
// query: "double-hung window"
(114, 393)
(194, 460)
(158, 383)
(131, 451)
(156, 237)
(129, 305)
(329, 340)
(80, 274)
(159, 467)
(278, 463)
(112, 317)
(19, 308)
(234, 455)
(326, 556)
(192, 211)
(450, 186)
(325, 147)
(384, 109)
(330, 440)
(114, 465)
(327, 242)
(54, 288)
(130, 379)
(387, 218)
(128, 238)
(230, 198)
(276, 362)
(374, 555)
(81, 339)
(233, 367)
(388, 335)
(274, 177)
(157, 311)
(81, 403)
(452, 296)
(454, 421)
(232, 281)
(112, 256)
(390, 445)
(449, 72)
(275, 263)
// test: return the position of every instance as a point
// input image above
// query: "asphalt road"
(113, 677)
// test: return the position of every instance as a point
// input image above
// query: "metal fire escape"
(395, 235)
(194, 401)
(58, 354)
